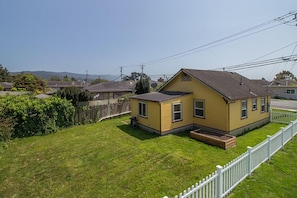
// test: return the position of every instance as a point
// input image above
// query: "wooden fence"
(98, 110)
(221, 182)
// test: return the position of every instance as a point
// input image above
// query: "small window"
(199, 108)
(244, 109)
(142, 110)
(254, 104)
(185, 77)
(290, 91)
(263, 105)
(177, 112)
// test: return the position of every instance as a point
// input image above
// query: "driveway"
(284, 104)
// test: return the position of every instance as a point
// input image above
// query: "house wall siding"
(253, 116)
(166, 113)
(216, 110)
(281, 92)
(153, 114)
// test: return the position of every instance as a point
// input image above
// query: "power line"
(280, 19)
(261, 63)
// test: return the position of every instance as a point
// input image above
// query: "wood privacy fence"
(221, 182)
(98, 110)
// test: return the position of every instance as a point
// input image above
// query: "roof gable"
(230, 85)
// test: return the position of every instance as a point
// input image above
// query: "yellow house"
(217, 101)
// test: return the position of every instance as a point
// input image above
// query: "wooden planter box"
(223, 141)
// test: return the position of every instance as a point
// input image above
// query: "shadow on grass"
(137, 132)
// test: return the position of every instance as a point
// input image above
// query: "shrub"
(36, 116)
(6, 128)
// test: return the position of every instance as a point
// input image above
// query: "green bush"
(1, 88)
(6, 128)
(36, 116)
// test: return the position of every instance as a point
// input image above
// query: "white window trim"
(244, 108)
(263, 101)
(203, 108)
(255, 101)
(174, 112)
(140, 111)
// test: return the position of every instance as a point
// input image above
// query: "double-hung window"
(177, 112)
(254, 104)
(290, 91)
(199, 108)
(243, 109)
(263, 105)
(142, 109)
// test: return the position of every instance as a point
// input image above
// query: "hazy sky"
(102, 35)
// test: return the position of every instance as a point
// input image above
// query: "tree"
(4, 74)
(97, 81)
(142, 86)
(285, 74)
(55, 78)
(74, 94)
(29, 82)
(66, 78)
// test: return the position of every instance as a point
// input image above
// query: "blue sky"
(102, 35)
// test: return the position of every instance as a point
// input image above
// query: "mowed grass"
(111, 159)
(276, 178)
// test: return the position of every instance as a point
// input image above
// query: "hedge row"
(33, 116)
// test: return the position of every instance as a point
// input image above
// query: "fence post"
(282, 130)
(249, 160)
(292, 129)
(219, 181)
(269, 145)
(270, 115)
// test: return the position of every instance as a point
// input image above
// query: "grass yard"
(111, 159)
(277, 178)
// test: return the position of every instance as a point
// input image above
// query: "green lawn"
(277, 178)
(111, 159)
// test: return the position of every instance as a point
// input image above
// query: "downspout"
(160, 117)
(228, 123)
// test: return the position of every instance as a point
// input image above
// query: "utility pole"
(87, 76)
(142, 66)
(121, 73)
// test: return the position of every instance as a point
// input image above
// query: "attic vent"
(185, 77)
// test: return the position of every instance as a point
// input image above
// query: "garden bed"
(223, 141)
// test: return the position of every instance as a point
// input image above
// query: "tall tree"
(285, 74)
(4, 74)
(29, 82)
(97, 81)
(75, 95)
(142, 86)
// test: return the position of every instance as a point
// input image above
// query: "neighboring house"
(111, 89)
(6, 86)
(59, 85)
(217, 101)
(286, 89)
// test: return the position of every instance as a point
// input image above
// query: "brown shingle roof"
(231, 85)
(113, 86)
(159, 96)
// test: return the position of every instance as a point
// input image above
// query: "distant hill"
(48, 74)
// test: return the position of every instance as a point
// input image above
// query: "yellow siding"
(252, 115)
(216, 110)
(153, 114)
(166, 113)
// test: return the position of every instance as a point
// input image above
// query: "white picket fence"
(221, 182)
(282, 117)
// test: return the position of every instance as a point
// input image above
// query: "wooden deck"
(223, 141)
